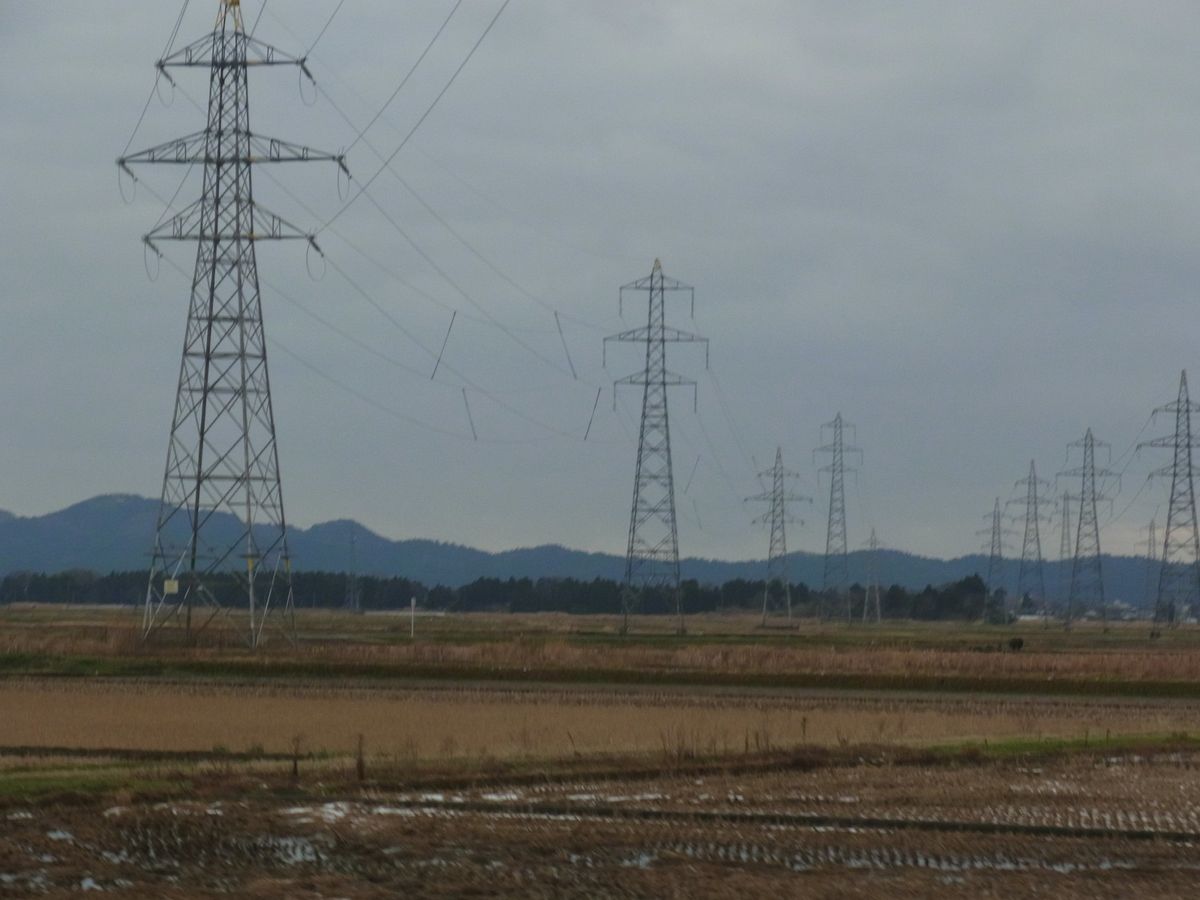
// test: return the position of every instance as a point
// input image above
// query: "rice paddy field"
(529, 756)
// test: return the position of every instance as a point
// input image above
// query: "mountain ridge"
(112, 532)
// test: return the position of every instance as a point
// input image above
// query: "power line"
(321, 33)
(442, 273)
(489, 317)
(408, 75)
(157, 75)
(429, 109)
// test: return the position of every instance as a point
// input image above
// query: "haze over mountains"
(113, 533)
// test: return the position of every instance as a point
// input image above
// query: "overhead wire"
(412, 420)
(168, 205)
(157, 75)
(324, 28)
(351, 390)
(262, 9)
(360, 135)
(734, 428)
(407, 76)
(490, 395)
(425, 255)
(392, 319)
(523, 220)
(420, 121)
(487, 316)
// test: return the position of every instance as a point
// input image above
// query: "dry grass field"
(540, 722)
(547, 756)
(727, 649)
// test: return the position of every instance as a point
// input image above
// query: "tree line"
(965, 599)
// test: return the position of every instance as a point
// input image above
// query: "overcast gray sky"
(971, 228)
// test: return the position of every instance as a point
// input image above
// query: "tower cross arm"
(830, 448)
(194, 148)
(669, 334)
(1176, 406)
(670, 379)
(1099, 474)
(1170, 442)
(770, 473)
(664, 332)
(199, 54)
(766, 518)
(768, 496)
(190, 224)
(1024, 482)
(655, 281)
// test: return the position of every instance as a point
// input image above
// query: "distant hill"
(113, 532)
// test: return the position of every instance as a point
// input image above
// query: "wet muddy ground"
(1095, 826)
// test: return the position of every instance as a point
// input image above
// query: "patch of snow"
(334, 812)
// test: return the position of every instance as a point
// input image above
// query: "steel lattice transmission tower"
(1179, 572)
(872, 596)
(1066, 550)
(777, 563)
(1087, 576)
(1150, 590)
(353, 601)
(1031, 576)
(221, 514)
(995, 532)
(652, 555)
(836, 578)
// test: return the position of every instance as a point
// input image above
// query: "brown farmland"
(540, 722)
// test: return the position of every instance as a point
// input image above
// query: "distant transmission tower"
(652, 557)
(353, 601)
(1150, 590)
(1066, 549)
(1087, 577)
(1179, 572)
(836, 578)
(1031, 577)
(995, 532)
(777, 565)
(221, 515)
(872, 597)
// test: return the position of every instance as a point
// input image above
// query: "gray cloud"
(970, 228)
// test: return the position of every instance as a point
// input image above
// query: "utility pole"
(872, 597)
(1087, 577)
(221, 513)
(652, 555)
(836, 578)
(777, 563)
(1179, 573)
(1031, 577)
